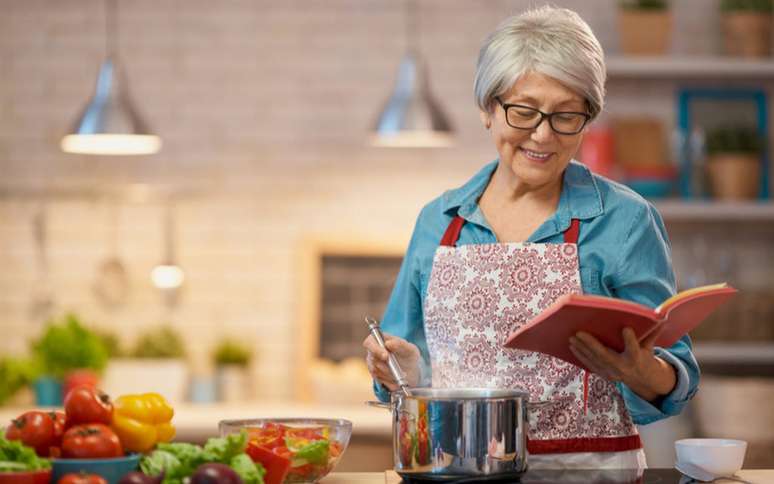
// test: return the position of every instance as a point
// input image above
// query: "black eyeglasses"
(524, 117)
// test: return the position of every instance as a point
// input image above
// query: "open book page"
(685, 313)
(682, 295)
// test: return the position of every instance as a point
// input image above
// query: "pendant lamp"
(412, 117)
(110, 123)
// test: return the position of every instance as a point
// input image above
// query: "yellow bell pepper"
(141, 421)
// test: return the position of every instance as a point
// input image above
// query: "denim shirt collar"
(580, 198)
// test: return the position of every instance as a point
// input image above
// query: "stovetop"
(650, 476)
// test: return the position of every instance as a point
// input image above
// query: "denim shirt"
(623, 251)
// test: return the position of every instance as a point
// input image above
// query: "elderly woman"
(527, 228)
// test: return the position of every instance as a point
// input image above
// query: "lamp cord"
(412, 22)
(111, 28)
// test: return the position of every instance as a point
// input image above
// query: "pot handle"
(376, 403)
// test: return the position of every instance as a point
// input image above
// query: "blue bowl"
(112, 469)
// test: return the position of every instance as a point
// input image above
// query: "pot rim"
(428, 393)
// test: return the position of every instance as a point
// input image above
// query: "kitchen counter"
(665, 476)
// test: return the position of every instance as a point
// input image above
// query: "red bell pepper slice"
(276, 465)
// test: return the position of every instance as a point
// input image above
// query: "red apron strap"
(571, 234)
(453, 232)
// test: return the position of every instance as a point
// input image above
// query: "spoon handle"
(392, 362)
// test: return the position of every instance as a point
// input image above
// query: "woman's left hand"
(637, 367)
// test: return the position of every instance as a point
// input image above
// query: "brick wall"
(264, 108)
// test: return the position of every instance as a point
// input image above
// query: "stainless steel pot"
(453, 433)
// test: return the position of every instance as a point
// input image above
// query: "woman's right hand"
(406, 353)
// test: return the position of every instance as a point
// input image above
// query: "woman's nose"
(543, 132)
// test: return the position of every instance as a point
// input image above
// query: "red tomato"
(306, 433)
(91, 441)
(81, 478)
(35, 429)
(85, 405)
(276, 465)
(269, 436)
(59, 425)
(334, 448)
(78, 378)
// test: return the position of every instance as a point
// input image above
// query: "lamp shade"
(412, 117)
(110, 124)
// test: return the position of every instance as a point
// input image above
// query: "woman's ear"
(486, 119)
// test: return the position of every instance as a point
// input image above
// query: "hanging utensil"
(111, 284)
(168, 276)
(42, 302)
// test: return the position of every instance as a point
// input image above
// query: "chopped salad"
(292, 453)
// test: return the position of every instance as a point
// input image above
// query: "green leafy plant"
(160, 342)
(112, 343)
(15, 374)
(762, 6)
(231, 352)
(733, 139)
(68, 345)
(644, 4)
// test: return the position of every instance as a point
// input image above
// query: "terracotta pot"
(734, 176)
(747, 34)
(644, 32)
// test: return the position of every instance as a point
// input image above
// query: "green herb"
(761, 6)
(161, 342)
(644, 4)
(230, 352)
(733, 139)
(15, 456)
(68, 345)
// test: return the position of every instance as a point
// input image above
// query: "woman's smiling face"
(536, 157)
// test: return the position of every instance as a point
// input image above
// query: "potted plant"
(746, 27)
(644, 26)
(156, 363)
(66, 350)
(734, 162)
(231, 360)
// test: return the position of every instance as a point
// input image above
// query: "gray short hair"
(551, 41)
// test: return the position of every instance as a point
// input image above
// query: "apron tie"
(585, 392)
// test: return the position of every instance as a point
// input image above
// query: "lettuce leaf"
(249, 471)
(14, 454)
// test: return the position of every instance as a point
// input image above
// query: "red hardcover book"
(605, 317)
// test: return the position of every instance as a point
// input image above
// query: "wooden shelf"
(706, 211)
(690, 68)
(734, 353)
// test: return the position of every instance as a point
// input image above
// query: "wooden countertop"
(752, 476)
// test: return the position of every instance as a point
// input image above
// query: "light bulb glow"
(111, 144)
(167, 276)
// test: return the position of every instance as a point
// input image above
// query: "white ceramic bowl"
(722, 457)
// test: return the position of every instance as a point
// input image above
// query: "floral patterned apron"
(477, 295)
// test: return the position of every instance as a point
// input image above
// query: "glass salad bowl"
(293, 449)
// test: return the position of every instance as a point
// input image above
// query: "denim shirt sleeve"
(403, 315)
(644, 274)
